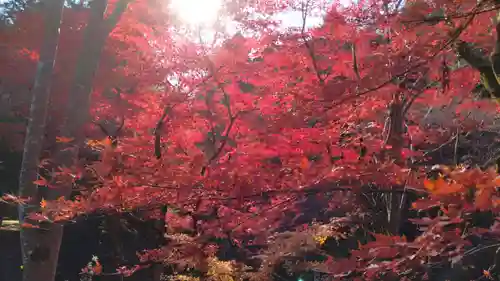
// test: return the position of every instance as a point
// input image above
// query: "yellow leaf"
(320, 239)
(43, 204)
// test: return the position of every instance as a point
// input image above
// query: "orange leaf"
(93, 143)
(64, 139)
(444, 188)
(496, 203)
(304, 163)
(483, 199)
(107, 142)
(487, 274)
(41, 181)
(97, 268)
(29, 225)
(429, 184)
(440, 183)
(43, 203)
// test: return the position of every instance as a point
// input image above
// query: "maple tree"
(245, 134)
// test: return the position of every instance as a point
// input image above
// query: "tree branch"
(113, 19)
(166, 111)
(309, 46)
(436, 19)
(453, 37)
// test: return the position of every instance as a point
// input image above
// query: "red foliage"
(246, 136)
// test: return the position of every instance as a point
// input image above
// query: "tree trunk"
(31, 253)
(395, 141)
(46, 243)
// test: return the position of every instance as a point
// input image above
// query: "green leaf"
(205, 113)
(362, 151)
(211, 93)
(435, 16)
(246, 87)
(434, 84)
(164, 208)
(314, 157)
(231, 142)
(174, 210)
(12, 119)
(219, 129)
(312, 122)
(326, 71)
(225, 100)
(275, 160)
(335, 158)
(211, 136)
(200, 145)
(206, 146)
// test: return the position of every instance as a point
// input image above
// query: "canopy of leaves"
(245, 139)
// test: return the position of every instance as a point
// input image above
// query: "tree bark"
(46, 243)
(41, 270)
(395, 141)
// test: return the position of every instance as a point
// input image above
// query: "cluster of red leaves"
(246, 135)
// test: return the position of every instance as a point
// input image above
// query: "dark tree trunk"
(39, 263)
(44, 245)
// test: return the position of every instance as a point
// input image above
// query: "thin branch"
(455, 150)
(412, 99)
(441, 146)
(232, 118)
(491, 160)
(355, 62)
(454, 36)
(436, 19)
(262, 212)
(309, 46)
(320, 188)
(408, 103)
(166, 111)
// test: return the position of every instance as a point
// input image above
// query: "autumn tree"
(36, 131)
(85, 70)
(250, 131)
